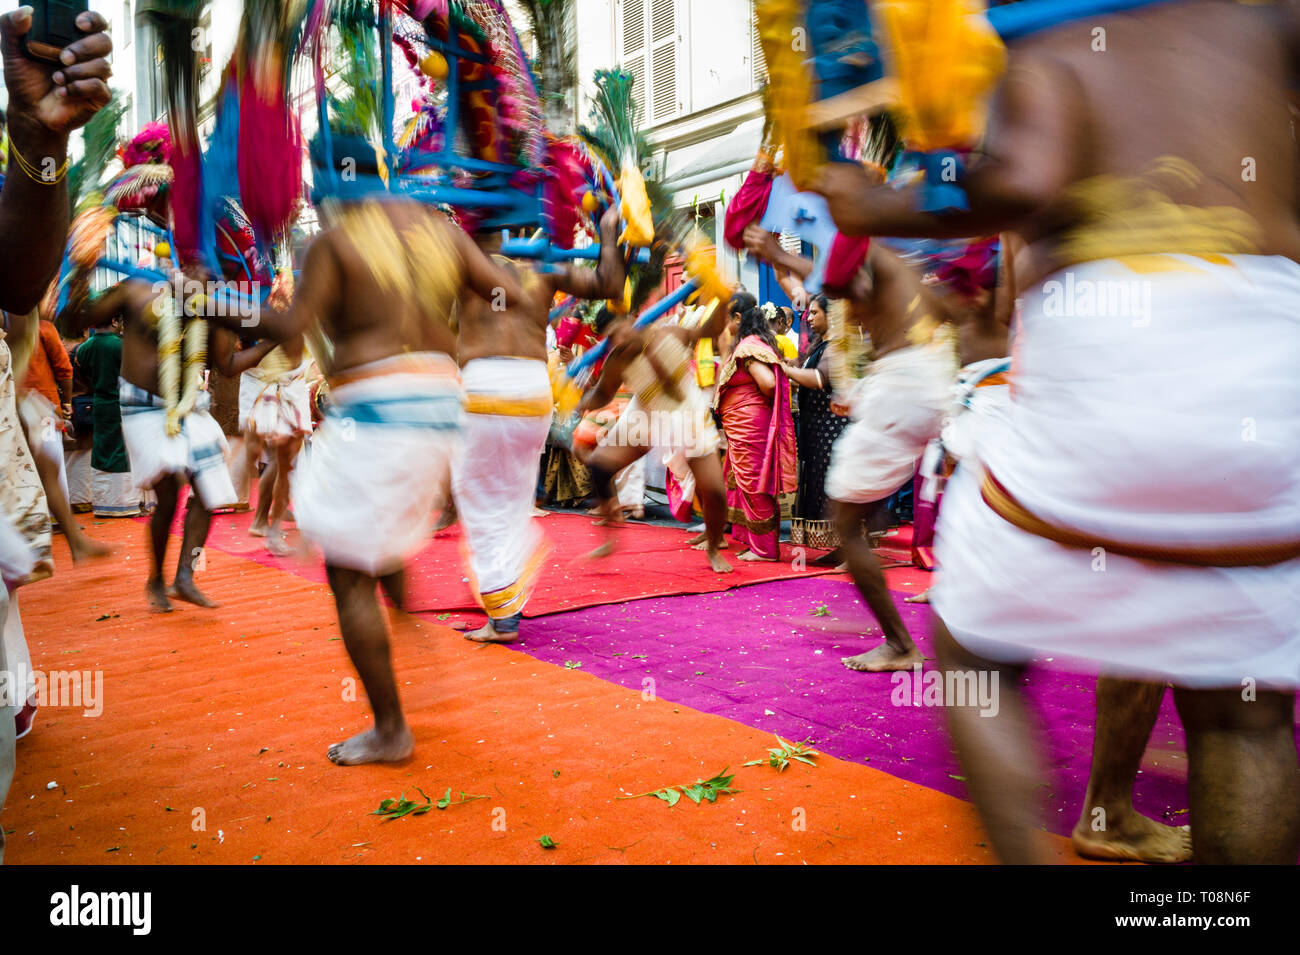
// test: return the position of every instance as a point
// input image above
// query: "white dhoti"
(197, 453)
(897, 407)
(45, 428)
(979, 407)
(366, 486)
(678, 431)
(629, 484)
(281, 408)
(1171, 429)
(114, 495)
(80, 480)
(508, 407)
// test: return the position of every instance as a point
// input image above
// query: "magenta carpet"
(769, 656)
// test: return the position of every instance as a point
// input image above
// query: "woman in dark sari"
(818, 427)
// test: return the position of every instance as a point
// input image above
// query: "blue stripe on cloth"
(440, 412)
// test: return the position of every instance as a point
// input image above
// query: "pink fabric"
(842, 263)
(756, 510)
(270, 158)
(185, 198)
(746, 207)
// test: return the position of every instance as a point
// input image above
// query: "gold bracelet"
(33, 173)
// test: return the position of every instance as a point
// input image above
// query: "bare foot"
(883, 659)
(702, 543)
(604, 550)
(156, 592)
(750, 555)
(445, 520)
(83, 548)
(371, 747)
(699, 538)
(257, 529)
(719, 565)
(187, 591)
(276, 543)
(1133, 837)
(922, 598)
(488, 634)
(539, 512)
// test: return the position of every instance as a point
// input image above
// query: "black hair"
(604, 318)
(754, 322)
(740, 303)
(821, 299)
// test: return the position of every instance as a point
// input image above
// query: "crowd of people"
(408, 373)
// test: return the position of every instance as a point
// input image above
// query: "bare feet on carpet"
(922, 598)
(1134, 838)
(702, 543)
(719, 565)
(257, 529)
(488, 634)
(750, 555)
(604, 550)
(276, 543)
(156, 592)
(883, 659)
(187, 590)
(372, 747)
(84, 548)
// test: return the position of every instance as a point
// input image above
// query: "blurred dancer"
(1138, 510)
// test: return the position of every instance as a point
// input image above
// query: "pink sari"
(761, 461)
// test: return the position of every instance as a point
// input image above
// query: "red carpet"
(651, 561)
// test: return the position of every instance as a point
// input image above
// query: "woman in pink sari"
(753, 398)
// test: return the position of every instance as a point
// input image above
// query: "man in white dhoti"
(168, 444)
(1139, 510)
(896, 408)
(508, 404)
(275, 417)
(381, 280)
(668, 412)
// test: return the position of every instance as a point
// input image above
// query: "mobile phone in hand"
(54, 26)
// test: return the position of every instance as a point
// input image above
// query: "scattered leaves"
(573, 664)
(547, 842)
(446, 799)
(779, 757)
(821, 610)
(699, 791)
(401, 806)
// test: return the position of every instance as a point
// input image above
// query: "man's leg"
(1243, 783)
(713, 499)
(365, 634)
(898, 652)
(160, 526)
(1109, 827)
(48, 468)
(605, 462)
(265, 483)
(197, 521)
(284, 457)
(998, 754)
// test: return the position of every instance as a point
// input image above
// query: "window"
(757, 61)
(648, 43)
(128, 28)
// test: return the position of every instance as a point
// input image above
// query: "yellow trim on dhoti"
(535, 407)
(508, 601)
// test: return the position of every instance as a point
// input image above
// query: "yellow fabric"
(640, 230)
(789, 87)
(509, 407)
(947, 59)
(704, 368)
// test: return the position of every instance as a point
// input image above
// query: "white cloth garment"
(979, 405)
(495, 479)
(197, 453)
(897, 407)
(1172, 423)
(281, 406)
(45, 426)
(629, 484)
(114, 495)
(366, 485)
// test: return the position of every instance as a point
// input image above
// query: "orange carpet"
(211, 748)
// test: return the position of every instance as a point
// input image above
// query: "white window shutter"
(663, 60)
(757, 61)
(633, 48)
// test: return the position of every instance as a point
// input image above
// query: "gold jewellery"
(38, 175)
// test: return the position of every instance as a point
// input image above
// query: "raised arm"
(47, 101)
(313, 299)
(607, 278)
(1026, 164)
(94, 314)
(484, 277)
(230, 362)
(763, 245)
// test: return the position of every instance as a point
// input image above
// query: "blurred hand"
(566, 354)
(59, 96)
(839, 407)
(760, 243)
